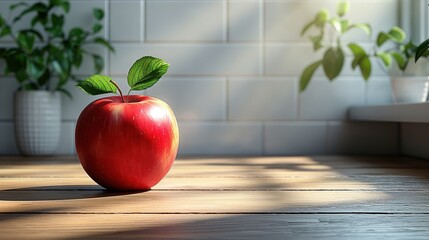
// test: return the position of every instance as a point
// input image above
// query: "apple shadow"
(60, 192)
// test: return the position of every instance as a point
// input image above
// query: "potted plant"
(333, 46)
(335, 51)
(42, 59)
(408, 79)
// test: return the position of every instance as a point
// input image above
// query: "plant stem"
(120, 92)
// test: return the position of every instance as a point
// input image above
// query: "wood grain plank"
(380, 183)
(214, 226)
(252, 167)
(213, 201)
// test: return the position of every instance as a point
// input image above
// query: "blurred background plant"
(44, 55)
(388, 47)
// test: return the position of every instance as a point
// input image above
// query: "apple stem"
(119, 89)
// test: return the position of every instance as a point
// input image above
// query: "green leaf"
(34, 32)
(57, 21)
(37, 7)
(26, 41)
(98, 63)
(307, 27)
(344, 25)
(42, 80)
(360, 59)
(343, 8)
(421, 49)
(307, 74)
(333, 61)
(385, 58)
(16, 5)
(400, 60)
(5, 31)
(382, 38)
(336, 24)
(145, 72)
(104, 42)
(363, 26)
(66, 6)
(98, 13)
(97, 84)
(96, 27)
(77, 36)
(317, 42)
(397, 34)
(35, 69)
(358, 53)
(321, 17)
(365, 67)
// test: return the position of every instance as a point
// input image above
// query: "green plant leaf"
(307, 27)
(344, 25)
(397, 34)
(6, 30)
(26, 41)
(98, 13)
(76, 36)
(336, 24)
(96, 27)
(66, 6)
(333, 61)
(307, 74)
(98, 63)
(421, 49)
(400, 60)
(145, 72)
(317, 42)
(37, 7)
(358, 54)
(97, 84)
(365, 67)
(360, 59)
(32, 31)
(35, 68)
(16, 5)
(363, 26)
(105, 43)
(385, 58)
(321, 17)
(382, 38)
(343, 8)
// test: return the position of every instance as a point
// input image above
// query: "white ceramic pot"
(37, 121)
(407, 89)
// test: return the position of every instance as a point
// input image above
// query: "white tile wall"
(193, 98)
(126, 21)
(185, 21)
(295, 138)
(263, 99)
(244, 20)
(324, 100)
(220, 138)
(233, 80)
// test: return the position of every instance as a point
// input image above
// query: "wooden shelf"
(409, 112)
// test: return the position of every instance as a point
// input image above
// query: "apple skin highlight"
(127, 146)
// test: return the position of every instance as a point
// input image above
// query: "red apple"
(127, 145)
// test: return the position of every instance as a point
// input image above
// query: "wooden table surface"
(322, 197)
